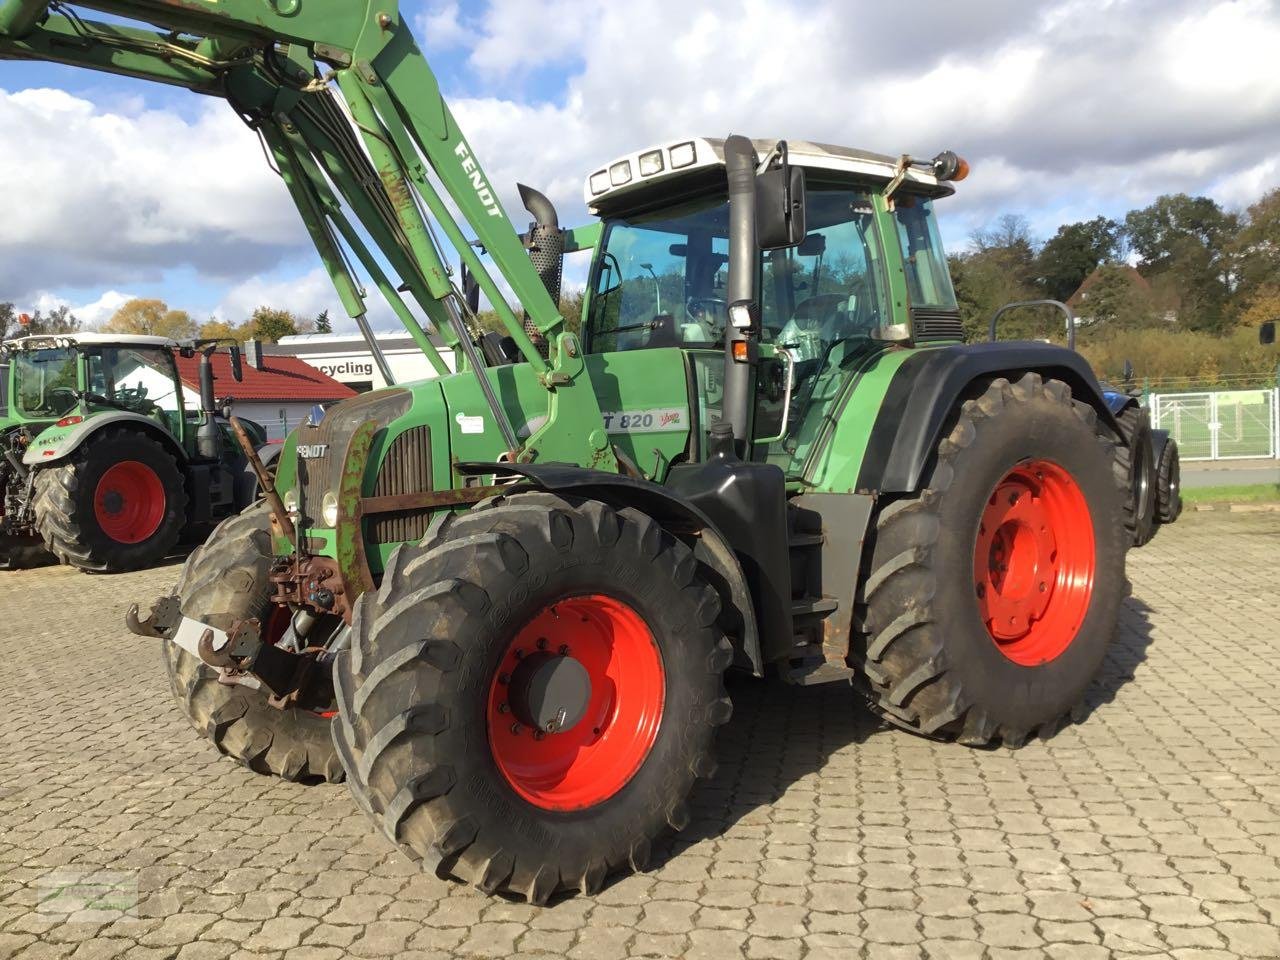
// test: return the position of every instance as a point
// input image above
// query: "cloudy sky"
(1064, 109)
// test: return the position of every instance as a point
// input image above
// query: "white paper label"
(470, 424)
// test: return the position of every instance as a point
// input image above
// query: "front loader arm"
(401, 168)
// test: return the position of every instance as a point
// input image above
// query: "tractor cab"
(867, 274)
(57, 377)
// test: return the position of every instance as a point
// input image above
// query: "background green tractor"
(513, 592)
(103, 465)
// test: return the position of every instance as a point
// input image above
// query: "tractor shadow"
(780, 735)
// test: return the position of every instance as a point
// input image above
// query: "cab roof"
(634, 178)
(88, 339)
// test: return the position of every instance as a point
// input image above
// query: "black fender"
(924, 393)
(246, 481)
(711, 546)
(1159, 440)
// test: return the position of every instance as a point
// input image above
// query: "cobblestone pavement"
(1151, 829)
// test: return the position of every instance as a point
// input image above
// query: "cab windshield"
(660, 280)
(46, 384)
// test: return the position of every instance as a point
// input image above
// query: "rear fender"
(57, 443)
(682, 519)
(923, 396)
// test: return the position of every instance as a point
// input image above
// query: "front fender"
(925, 390)
(55, 443)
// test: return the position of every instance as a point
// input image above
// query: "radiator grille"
(318, 475)
(931, 326)
(405, 469)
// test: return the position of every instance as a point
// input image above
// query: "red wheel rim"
(1034, 562)
(129, 502)
(598, 755)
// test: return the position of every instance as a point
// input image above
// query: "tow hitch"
(293, 679)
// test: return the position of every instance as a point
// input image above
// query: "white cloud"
(440, 27)
(306, 296)
(1065, 109)
(93, 314)
(105, 197)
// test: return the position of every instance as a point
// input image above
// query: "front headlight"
(291, 502)
(329, 509)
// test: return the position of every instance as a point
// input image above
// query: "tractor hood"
(425, 427)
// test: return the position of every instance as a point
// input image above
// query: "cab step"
(814, 607)
(807, 666)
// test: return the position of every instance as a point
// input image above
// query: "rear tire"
(445, 771)
(1137, 459)
(928, 657)
(1169, 483)
(223, 581)
(116, 503)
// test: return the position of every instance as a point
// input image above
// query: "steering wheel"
(711, 311)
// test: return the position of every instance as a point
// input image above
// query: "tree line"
(1178, 287)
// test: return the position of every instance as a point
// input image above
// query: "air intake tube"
(545, 242)
(740, 166)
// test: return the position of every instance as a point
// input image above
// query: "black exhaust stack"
(740, 166)
(208, 437)
(545, 242)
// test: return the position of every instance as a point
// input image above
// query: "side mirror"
(1267, 333)
(780, 207)
(237, 370)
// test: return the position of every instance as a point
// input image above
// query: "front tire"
(116, 503)
(530, 610)
(991, 595)
(223, 581)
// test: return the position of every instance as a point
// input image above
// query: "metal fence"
(1220, 425)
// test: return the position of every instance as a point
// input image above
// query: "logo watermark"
(81, 895)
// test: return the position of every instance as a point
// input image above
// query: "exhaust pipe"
(545, 241)
(740, 166)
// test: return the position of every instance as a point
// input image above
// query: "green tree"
(999, 268)
(1186, 239)
(1074, 252)
(270, 324)
(1255, 250)
(322, 322)
(152, 318)
(58, 320)
(1118, 298)
(221, 330)
(8, 321)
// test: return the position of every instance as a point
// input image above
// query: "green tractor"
(102, 467)
(501, 603)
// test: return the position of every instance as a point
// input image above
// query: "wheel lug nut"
(516, 728)
(542, 643)
(564, 649)
(504, 708)
(539, 735)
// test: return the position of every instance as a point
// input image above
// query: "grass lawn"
(1238, 493)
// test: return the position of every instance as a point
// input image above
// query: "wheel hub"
(549, 692)
(1034, 562)
(575, 702)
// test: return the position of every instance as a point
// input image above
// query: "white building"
(346, 357)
